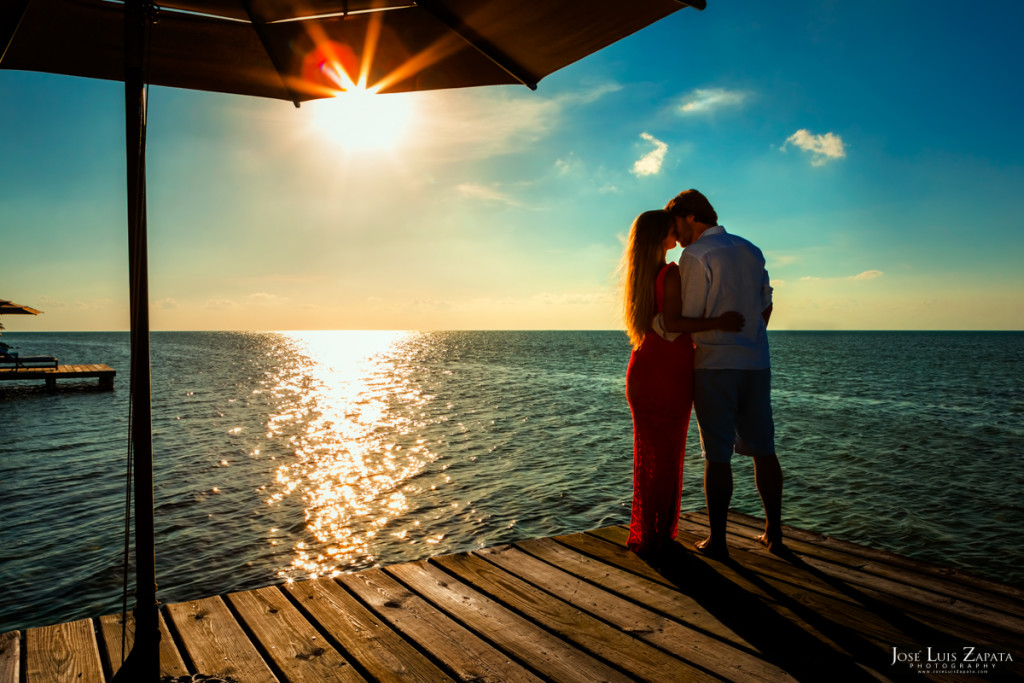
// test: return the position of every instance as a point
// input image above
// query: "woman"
(659, 380)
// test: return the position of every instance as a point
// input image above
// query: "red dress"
(659, 388)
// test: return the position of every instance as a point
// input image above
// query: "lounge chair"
(26, 362)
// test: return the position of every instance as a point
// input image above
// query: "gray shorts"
(734, 411)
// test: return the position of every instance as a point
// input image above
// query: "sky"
(872, 152)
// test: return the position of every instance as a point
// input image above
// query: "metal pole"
(143, 663)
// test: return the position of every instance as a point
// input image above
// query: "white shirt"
(722, 272)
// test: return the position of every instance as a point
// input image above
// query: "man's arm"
(766, 298)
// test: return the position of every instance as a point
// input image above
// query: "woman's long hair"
(643, 258)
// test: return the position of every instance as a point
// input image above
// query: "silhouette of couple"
(699, 339)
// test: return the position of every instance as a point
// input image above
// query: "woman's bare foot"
(712, 548)
(773, 542)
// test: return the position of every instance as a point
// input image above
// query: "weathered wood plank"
(294, 645)
(540, 650)
(171, 663)
(571, 624)
(610, 553)
(858, 628)
(670, 601)
(722, 659)
(379, 651)
(793, 636)
(10, 657)
(951, 604)
(63, 653)
(469, 657)
(888, 565)
(216, 643)
(883, 618)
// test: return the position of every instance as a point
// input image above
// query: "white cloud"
(93, 304)
(574, 298)
(221, 305)
(567, 165)
(485, 193)
(866, 275)
(707, 100)
(650, 163)
(823, 148)
(778, 283)
(167, 305)
(264, 299)
(49, 302)
(608, 188)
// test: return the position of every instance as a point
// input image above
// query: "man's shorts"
(734, 410)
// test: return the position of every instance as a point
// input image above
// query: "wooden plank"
(691, 645)
(63, 653)
(294, 645)
(944, 581)
(881, 617)
(469, 657)
(612, 554)
(858, 629)
(379, 651)
(667, 600)
(794, 637)
(516, 636)
(856, 578)
(216, 643)
(571, 624)
(171, 663)
(1008, 598)
(10, 657)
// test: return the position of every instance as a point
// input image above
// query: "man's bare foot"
(712, 548)
(773, 542)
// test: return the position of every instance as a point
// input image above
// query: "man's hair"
(693, 203)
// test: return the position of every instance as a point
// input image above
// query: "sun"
(359, 119)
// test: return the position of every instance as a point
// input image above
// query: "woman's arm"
(672, 313)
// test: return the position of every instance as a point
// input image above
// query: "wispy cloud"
(574, 298)
(866, 275)
(650, 163)
(221, 305)
(94, 304)
(707, 100)
(823, 148)
(266, 300)
(486, 193)
(167, 304)
(460, 125)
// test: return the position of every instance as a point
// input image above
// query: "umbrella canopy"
(304, 49)
(11, 308)
(293, 50)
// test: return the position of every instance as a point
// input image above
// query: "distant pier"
(579, 607)
(104, 373)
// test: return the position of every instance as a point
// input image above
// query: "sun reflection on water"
(348, 415)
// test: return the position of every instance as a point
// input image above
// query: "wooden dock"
(579, 607)
(104, 373)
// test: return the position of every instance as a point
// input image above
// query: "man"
(732, 377)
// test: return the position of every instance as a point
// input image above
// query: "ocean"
(285, 456)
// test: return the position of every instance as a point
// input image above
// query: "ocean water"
(284, 456)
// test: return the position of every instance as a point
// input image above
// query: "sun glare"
(359, 119)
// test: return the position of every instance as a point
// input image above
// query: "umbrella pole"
(143, 663)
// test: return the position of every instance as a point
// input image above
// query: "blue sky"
(872, 152)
